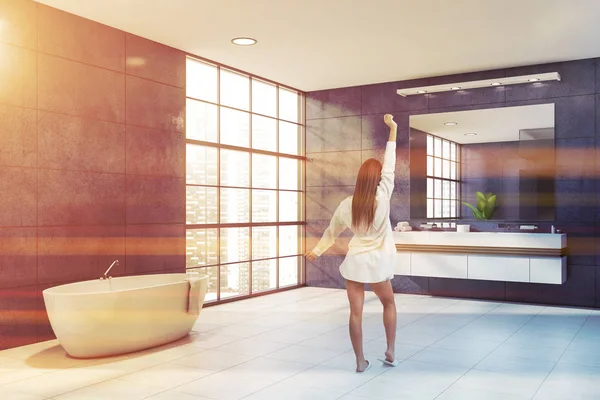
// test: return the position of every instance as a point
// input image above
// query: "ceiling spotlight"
(471, 134)
(421, 91)
(534, 80)
(455, 88)
(496, 83)
(450, 123)
(243, 41)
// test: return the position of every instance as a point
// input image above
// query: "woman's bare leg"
(356, 297)
(384, 291)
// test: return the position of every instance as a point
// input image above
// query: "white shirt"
(372, 253)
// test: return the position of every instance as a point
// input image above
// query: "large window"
(245, 181)
(443, 178)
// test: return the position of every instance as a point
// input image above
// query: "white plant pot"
(463, 228)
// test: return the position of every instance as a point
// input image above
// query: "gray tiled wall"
(91, 159)
(343, 123)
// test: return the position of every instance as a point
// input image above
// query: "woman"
(372, 252)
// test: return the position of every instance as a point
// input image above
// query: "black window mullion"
(250, 217)
(302, 230)
(244, 149)
(246, 261)
(277, 187)
(242, 110)
(219, 184)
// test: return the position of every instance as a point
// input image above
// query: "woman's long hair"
(365, 191)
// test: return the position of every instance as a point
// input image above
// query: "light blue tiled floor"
(295, 345)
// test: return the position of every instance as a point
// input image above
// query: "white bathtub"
(121, 315)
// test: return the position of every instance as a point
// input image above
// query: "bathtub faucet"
(116, 262)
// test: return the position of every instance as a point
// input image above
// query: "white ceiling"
(321, 44)
(491, 125)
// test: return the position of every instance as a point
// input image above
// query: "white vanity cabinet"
(509, 257)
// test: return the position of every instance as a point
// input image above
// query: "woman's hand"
(310, 256)
(389, 121)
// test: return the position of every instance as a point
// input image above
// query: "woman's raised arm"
(386, 185)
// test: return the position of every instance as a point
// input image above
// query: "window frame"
(301, 189)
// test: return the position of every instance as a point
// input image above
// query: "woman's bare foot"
(361, 366)
(390, 356)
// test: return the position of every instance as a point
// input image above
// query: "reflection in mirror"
(508, 152)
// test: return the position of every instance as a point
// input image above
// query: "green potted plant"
(486, 205)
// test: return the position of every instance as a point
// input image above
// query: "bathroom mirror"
(507, 151)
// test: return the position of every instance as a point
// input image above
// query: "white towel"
(403, 227)
(198, 286)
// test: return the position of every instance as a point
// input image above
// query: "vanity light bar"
(452, 87)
